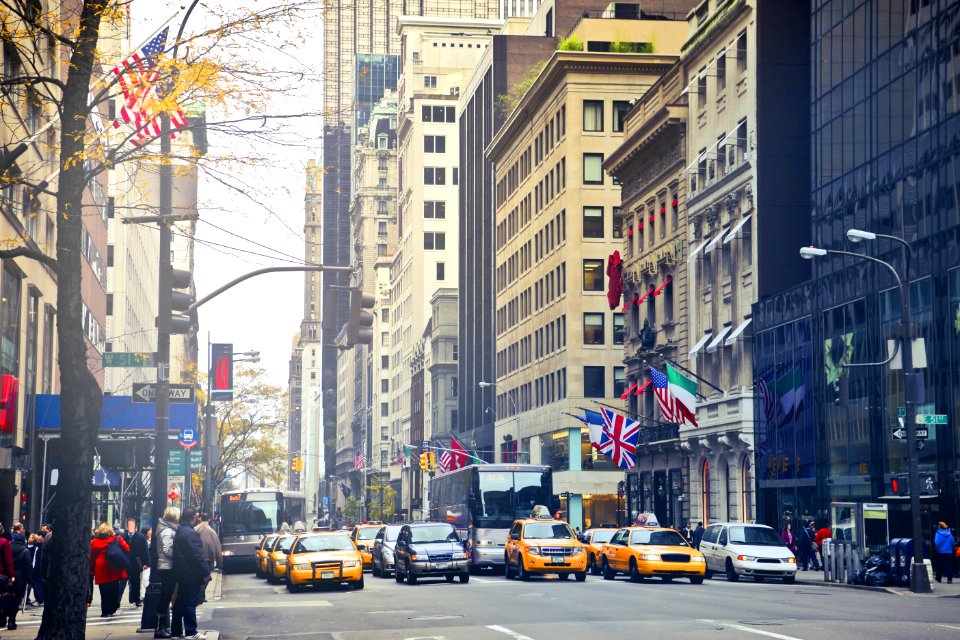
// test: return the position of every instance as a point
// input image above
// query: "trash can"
(906, 560)
(896, 562)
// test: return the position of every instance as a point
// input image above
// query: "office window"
(382, 183)
(619, 381)
(381, 250)
(617, 223)
(434, 241)
(382, 207)
(385, 316)
(10, 329)
(381, 164)
(435, 144)
(742, 51)
(456, 352)
(434, 175)
(593, 328)
(384, 435)
(430, 82)
(435, 209)
(456, 175)
(593, 115)
(384, 362)
(593, 168)
(384, 409)
(381, 228)
(594, 385)
(593, 275)
(722, 72)
(441, 271)
(426, 113)
(593, 222)
(384, 385)
(702, 88)
(620, 109)
(619, 331)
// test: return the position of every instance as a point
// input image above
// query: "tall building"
(557, 221)
(440, 55)
(295, 412)
(884, 147)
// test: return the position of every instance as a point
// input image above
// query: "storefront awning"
(718, 339)
(694, 253)
(699, 345)
(733, 232)
(736, 332)
(714, 242)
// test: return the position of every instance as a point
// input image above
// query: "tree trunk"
(64, 616)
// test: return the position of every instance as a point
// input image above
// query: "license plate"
(557, 559)
(326, 575)
(443, 565)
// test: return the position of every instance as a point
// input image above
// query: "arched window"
(746, 490)
(723, 490)
(705, 493)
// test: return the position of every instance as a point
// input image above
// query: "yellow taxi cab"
(363, 536)
(543, 545)
(642, 552)
(261, 555)
(323, 558)
(277, 558)
(593, 541)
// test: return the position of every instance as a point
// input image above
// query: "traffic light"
(428, 461)
(359, 327)
(900, 485)
(296, 464)
(24, 506)
(841, 389)
(620, 489)
(181, 297)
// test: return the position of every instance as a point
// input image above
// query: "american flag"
(359, 461)
(623, 432)
(445, 460)
(401, 456)
(138, 78)
(770, 405)
(661, 389)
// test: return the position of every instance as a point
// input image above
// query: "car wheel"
(708, 574)
(634, 571)
(731, 572)
(563, 576)
(667, 578)
(259, 571)
(358, 585)
(789, 579)
(464, 578)
(608, 573)
(507, 569)
(375, 571)
(595, 568)
(696, 579)
(292, 588)
(758, 579)
(522, 572)
(450, 577)
(411, 578)
(396, 573)
(581, 576)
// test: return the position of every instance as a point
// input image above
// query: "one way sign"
(147, 392)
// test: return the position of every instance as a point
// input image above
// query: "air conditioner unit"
(455, 91)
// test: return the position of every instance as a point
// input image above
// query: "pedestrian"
(822, 534)
(22, 576)
(109, 567)
(212, 551)
(697, 535)
(192, 572)
(137, 560)
(806, 547)
(944, 545)
(687, 532)
(7, 571)
(163, 565)
(46, 563)
(145, 574)
(789, 539)
(35, 544)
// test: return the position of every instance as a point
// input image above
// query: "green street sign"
(901, 412)
(176, 467)
(932, 418)
(128, 359)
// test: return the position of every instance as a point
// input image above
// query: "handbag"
(957, 552)
(116, 557)
(814, 547)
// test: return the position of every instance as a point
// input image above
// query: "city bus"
(482, 501)
(249, 514)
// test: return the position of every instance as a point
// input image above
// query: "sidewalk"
(940, 589)
(123, 626)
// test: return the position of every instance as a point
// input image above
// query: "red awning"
(626, 394)
(643, 387)
(644, 296)
(674, 203)
(651, 218)
(629, 304)
(663, 210)
(630, 232)
(660, 289)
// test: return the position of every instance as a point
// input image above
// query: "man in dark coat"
(687, 533)
(697, 536)
(191, 570)
(137, 559)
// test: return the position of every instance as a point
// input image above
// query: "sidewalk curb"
(896, 591)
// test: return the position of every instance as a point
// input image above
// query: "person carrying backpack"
(22, 576)
(108, 561)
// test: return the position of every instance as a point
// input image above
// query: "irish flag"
(684, 392)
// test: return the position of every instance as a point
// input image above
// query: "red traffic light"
(895, 486)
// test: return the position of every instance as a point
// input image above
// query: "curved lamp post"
(510, 394)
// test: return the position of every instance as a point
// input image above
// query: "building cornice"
(717, 24)
(671, 119)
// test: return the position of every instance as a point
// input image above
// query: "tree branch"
(33, 254)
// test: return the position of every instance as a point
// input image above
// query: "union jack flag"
(661, 389)
(359, 461)
(623, 433)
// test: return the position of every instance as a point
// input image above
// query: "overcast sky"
(265, 312)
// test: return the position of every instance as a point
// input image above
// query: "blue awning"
(118, 412)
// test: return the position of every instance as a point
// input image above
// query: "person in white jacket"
(166, 529)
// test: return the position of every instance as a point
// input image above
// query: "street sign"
(901, 412)
(900, 433)
(147, 392)
(932, 418)
(187, 438)
(176, 466)
(128, 359)
(425, 445)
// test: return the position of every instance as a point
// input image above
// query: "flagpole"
(706, 382)
(636, 416)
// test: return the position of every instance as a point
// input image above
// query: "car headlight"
(280, 562)
(227, 554)
(387, 554)
(348, 564)
(697, 559)
(792, 560)
(576, 551)
(300, 567)
(460, 556)
(650, 557)
(534, 551)
(413, 557)
(743, 558)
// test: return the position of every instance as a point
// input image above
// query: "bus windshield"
(504, 496)
(248, 517)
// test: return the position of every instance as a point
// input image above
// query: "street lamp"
(510, 394)
(912, 388)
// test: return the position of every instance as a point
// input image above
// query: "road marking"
(485, 580)
(947, 626)
(509, 632)
(276, 605)
(759, 632)
(436, 618)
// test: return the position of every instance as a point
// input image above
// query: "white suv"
(755, 550)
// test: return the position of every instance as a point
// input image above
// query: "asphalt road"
(492, 608)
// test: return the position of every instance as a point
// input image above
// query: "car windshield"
(603, 535)
(368, 533)
(761, 536)
(547, 530)
(285, 543)
(665, 538)
(390, 535)
(268, 544)
(435, 533)
(324, 543)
